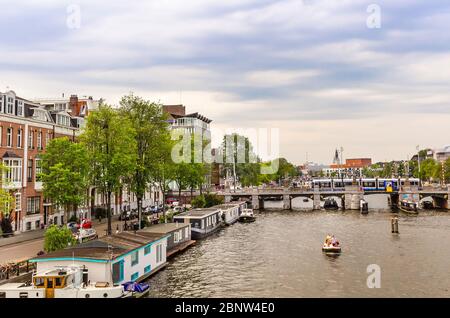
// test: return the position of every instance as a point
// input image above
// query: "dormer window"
(19, 108)
(63, 120)
(60, 106)
(40, 114)
(10, 106)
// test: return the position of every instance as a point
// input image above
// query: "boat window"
(49, 282)
(39, 282)
(58, 282)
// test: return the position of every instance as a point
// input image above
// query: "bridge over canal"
(350, 197)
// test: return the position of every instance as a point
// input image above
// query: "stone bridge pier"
(227, 199)
(287, 202)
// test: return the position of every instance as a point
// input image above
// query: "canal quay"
(280, 255)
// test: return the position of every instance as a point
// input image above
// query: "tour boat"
(135, 290)
(408, 207)
(330, 204)
(62, 282)
(247, 216)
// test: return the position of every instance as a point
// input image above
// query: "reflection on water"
(280, 255)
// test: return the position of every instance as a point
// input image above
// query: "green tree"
(198, 201)
(56, 238)
(212, 199)
(6, 203)
(239, 158)
(64, 174)
(110, 141)
(429, 169)
(151, 130)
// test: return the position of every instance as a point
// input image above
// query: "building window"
(10, 106)
(147, 269)
(135, 258)
(39, 140)
(38, 164)
(37, 224)
(30, 139)
(63, 120)
(47, 138)
(9, 136)
(19, 108)
(19, 138)
(14, 171)
(147, 249)
(1, 135)
(135, 276)
(159, 253)
(33, 205)
(28, 226)
(18, 201)
(30, 170)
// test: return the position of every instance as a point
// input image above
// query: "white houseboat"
(108, 261)
(62, 282)
(203, 221)
(179, 235)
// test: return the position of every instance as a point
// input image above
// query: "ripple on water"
(280, 255)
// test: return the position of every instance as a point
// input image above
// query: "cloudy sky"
(321, 71)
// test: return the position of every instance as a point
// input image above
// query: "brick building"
(26, 127)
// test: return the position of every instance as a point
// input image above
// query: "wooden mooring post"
(394, 225)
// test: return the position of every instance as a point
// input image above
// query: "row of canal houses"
(134, 256)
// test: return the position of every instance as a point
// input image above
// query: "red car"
(86, 224)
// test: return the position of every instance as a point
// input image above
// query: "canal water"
(280, 255)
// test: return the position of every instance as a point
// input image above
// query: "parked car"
(125, 216)
(84, 235)
(86, 224)
(74, 226)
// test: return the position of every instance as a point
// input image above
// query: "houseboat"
(111, 260)
(242, 205)
(71, 281)
(178, 235)
(203, 221)
(408, 207)
(230, 212)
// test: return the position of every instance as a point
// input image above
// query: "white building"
(442, 154)
(114, 259)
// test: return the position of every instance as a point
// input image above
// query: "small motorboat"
(135, 289)
(331, 245)
(330, 204)
(247, 216)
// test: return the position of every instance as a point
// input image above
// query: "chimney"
(73, 105)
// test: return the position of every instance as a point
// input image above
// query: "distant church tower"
(336, 159)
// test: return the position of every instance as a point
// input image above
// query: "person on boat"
(327, 240)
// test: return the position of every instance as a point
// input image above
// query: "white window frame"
(39, 140)
(19, 108)
(19, 138)
(9, 137)
(14, 171)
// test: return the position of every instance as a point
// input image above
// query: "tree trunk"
(139, 206)
(108, 213)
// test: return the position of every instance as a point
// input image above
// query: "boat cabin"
(178, 235)
(230, 212)
(203, 221)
